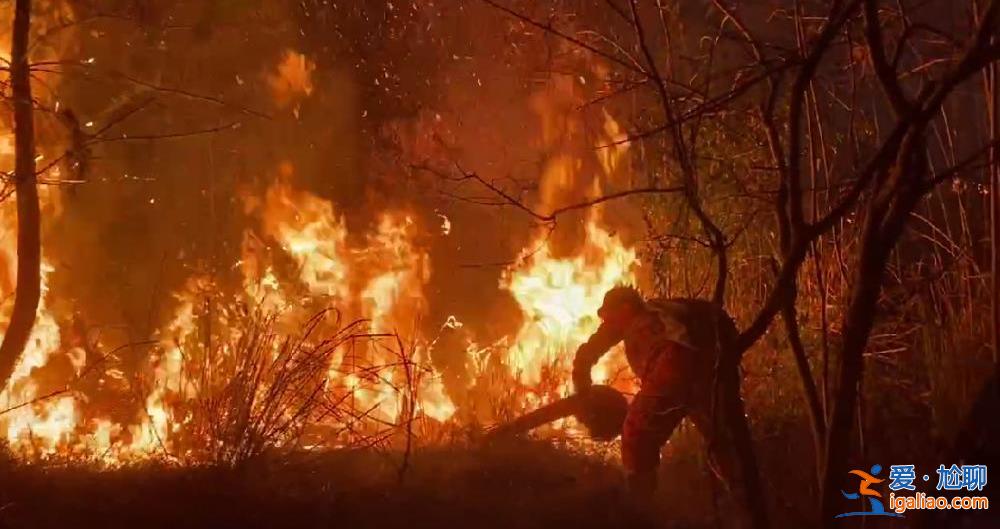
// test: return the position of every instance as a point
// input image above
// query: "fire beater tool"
(601, 409)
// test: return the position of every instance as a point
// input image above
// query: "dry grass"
(267, 390)
(260, 385)
(518, 485)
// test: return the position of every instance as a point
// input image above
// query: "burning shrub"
(330, 384)
(265, 393)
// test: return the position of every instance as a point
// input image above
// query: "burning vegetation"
(326, 329)
(323, 339)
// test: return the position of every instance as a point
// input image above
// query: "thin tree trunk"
(994, 122)
(858, 325)
(811, 393)
(28, 289)
(750, 488)
(883, 227)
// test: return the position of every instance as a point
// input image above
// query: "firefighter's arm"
(589, 353)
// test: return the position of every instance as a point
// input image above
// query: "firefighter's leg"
(721, 456)
(650, 421)
(723, 459)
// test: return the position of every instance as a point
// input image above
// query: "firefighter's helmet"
(618, 297)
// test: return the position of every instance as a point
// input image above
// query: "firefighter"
(672, 346)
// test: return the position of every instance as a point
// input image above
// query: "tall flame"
(559, 298)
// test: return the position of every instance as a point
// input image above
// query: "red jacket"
(686, 333)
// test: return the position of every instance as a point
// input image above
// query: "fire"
(158, 420)
(317, 302)
(292, 79)
(39, 412)
(559, 298)
(381, 282)
(383, 380)
(310, 232)
(559, 294)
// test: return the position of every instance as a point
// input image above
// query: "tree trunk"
(731, 411)
(886, 219)
(992, 100)
(857, 327)
(817, 420)
(28, 289)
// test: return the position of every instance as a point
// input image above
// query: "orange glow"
(299, 258)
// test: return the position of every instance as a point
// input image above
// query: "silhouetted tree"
(29, 252)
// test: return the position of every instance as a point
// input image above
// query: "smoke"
(355, 95)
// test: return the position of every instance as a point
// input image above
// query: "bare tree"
(29, 252)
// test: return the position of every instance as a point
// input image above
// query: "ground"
(518, 484)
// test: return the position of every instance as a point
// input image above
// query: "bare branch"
(883, 70)
(548, 27)
(552, 216)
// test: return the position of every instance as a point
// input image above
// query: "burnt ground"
(520, 484)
